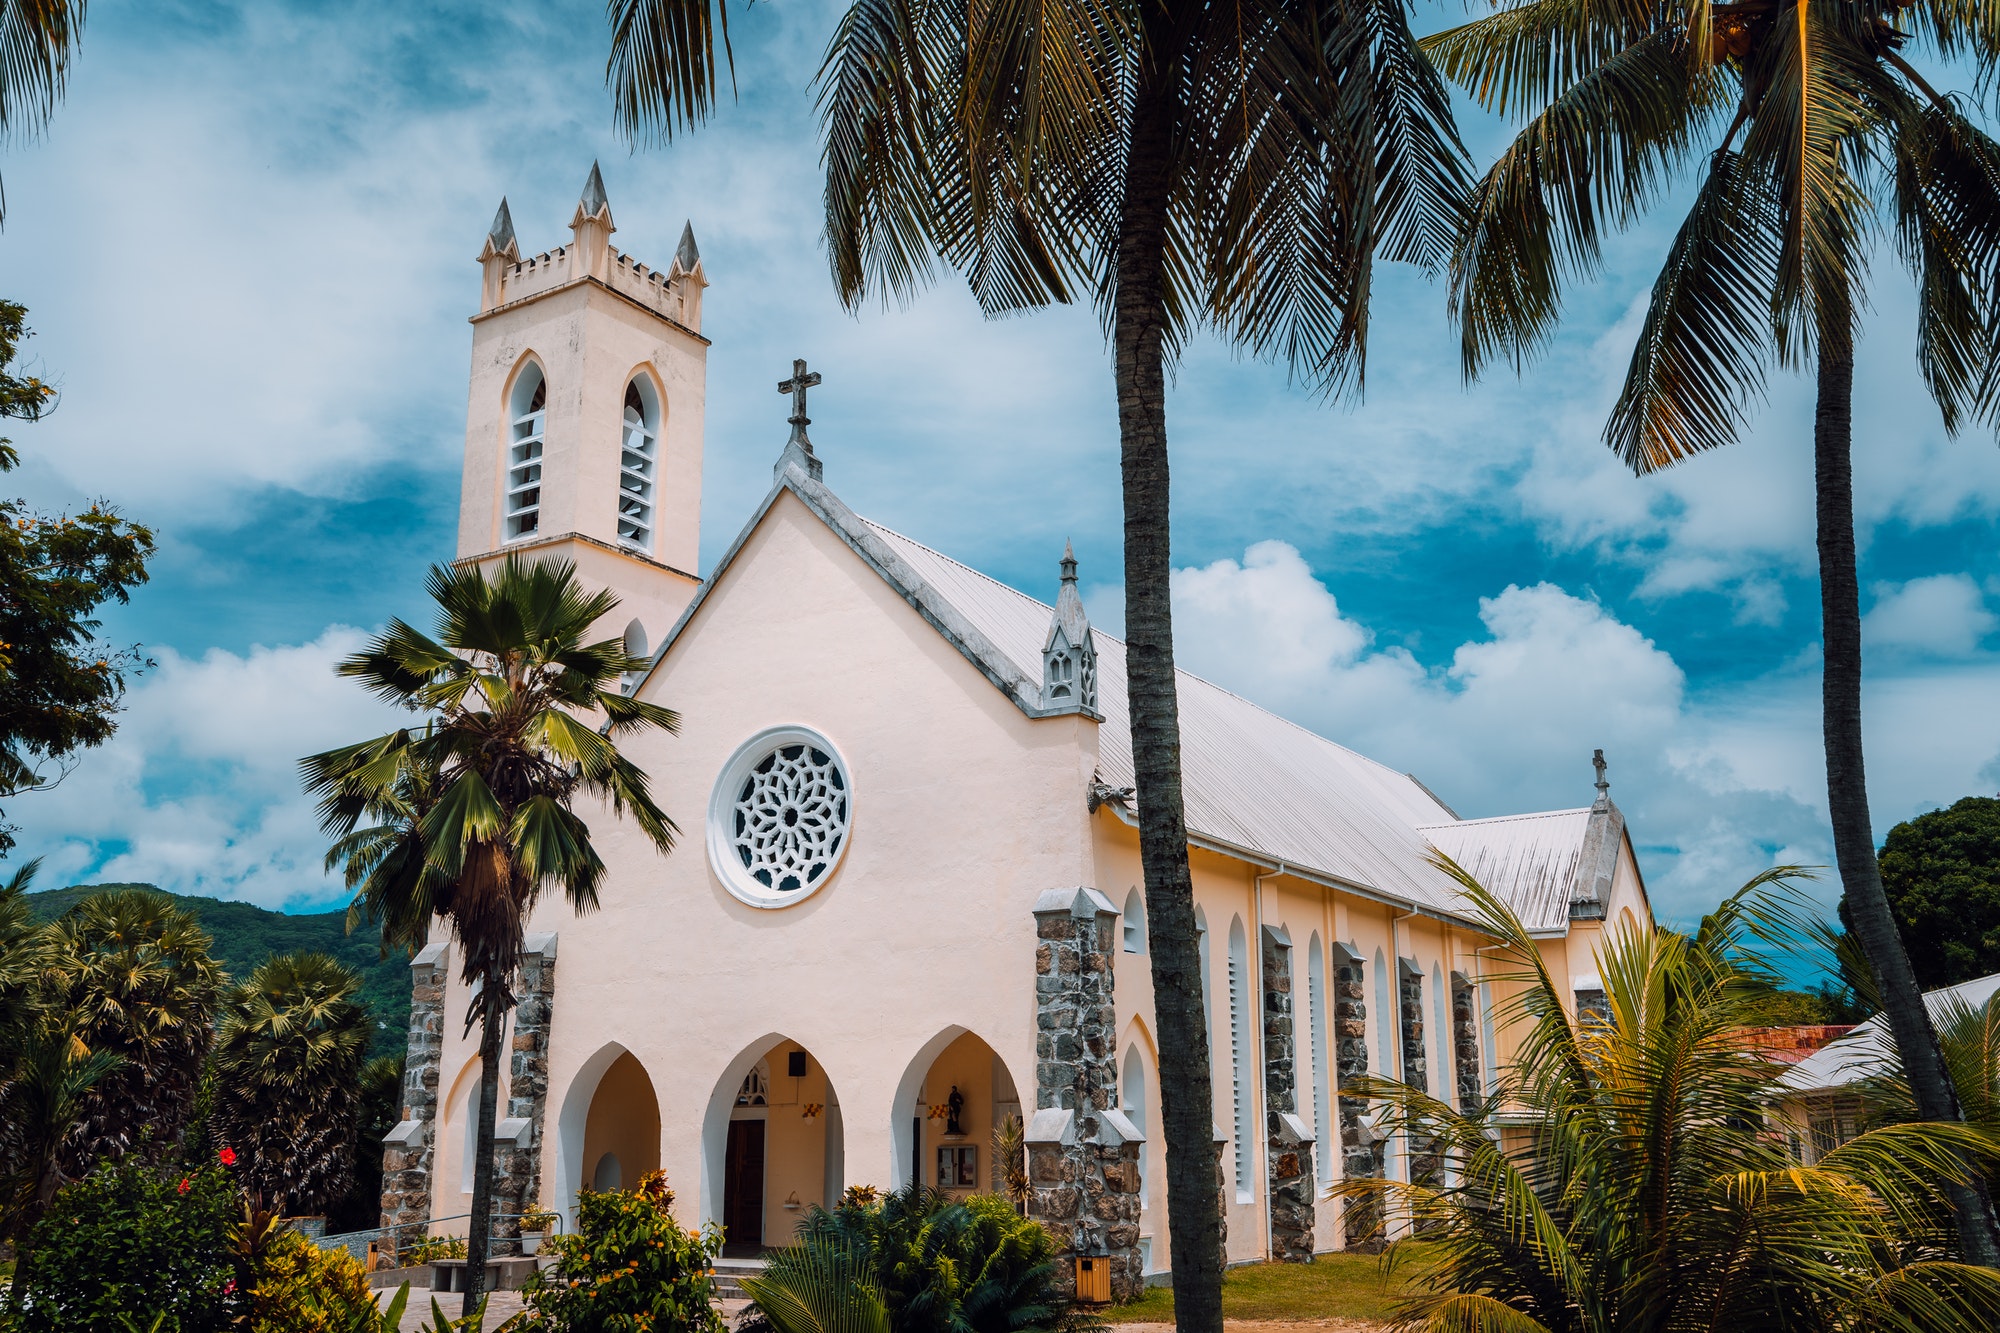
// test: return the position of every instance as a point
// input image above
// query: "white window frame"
(522, 475)
(638, 466)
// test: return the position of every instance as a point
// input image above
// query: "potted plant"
(535, 1225)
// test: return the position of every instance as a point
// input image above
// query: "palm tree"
(37, 39)
(1625, 1178)
(470, 819)
(44, 1070)
(288, 1064)
(135, 974)
(1802, 116)
(1186, 164)
(1970, 1038)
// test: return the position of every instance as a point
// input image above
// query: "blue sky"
(246, 243)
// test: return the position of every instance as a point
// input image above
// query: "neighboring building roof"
(1252, 782)
(1870, 1050)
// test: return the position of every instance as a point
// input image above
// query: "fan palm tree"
(470, 819)
(44, 1070)
(1185, 165)
(1624, 1180)
(37, 39)
(288, 1064)
(135, 973)
(1801, 121)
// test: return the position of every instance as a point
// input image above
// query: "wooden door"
(743, 1187)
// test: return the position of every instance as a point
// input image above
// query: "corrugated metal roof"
(1870, 1049)
(1253, 780)
(1531, 861)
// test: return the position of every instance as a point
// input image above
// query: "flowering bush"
(132, 1240)
(630, 1268)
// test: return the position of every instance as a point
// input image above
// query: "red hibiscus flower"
(183, 1188)
(227, 1157)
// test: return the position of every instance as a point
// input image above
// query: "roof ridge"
(1179, 671)
(1502, 819)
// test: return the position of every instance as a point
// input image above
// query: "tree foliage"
(1942, 873)
(60, 688)
(136, 974)
(288, 1063)
(1623, 1178)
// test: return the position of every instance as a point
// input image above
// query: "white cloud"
(1943, 615)
(1718, 785)
(199, 791)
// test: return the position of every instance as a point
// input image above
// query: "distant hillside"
(245, 935)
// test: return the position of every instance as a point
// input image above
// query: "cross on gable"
(796, 386)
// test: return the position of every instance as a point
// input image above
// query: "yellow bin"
(1093, 1279)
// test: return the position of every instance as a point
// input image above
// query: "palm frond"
(663, 64)
(1589, 161)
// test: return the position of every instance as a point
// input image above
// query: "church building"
(906, 903)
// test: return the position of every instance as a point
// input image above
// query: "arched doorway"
(952, 1097)
(772, 1146)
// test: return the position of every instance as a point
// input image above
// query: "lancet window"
(526, 416)
(1239, 1057)
(638, 460)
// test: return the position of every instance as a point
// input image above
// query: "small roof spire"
(593, 201)
(501, 234)
(1069, 658)
(687, 255)
(1068, 563)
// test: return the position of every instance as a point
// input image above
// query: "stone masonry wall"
(1084, 1188)
(1290, 1159)
(1465, 1043)
(407, 1168)
(1425, 1168)
(517, 1166)
(1359, 1158)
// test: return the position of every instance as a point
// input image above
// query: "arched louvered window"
(638, 459)
(1240, 1057)
(527, 411)
(1134, 921)
(1132, 1099)
(1315, 1064)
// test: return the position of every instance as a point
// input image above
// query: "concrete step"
(728, 1271)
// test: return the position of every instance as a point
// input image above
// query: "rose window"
(779, 817)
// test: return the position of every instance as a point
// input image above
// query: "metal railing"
(397, 1241)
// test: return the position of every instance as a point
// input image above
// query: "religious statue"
(956, 1103)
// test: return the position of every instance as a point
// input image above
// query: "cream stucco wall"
(964, 811)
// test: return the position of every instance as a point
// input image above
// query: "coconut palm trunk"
(479, 1234)
(1186, 1089)
(1847, 782)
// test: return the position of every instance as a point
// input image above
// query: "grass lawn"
(1333, 1286)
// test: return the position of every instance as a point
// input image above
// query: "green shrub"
(939, 1265)
(296, 1287)
(132, 1240)
(630, 1268)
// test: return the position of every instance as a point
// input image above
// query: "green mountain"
(245, 935)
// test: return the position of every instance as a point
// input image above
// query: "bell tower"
(583, 433)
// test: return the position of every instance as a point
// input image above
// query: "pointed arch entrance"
(772, 1145)
(955, 1091)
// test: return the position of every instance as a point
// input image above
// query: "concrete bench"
(509, 1274)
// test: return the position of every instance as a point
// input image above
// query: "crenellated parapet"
(674, 293)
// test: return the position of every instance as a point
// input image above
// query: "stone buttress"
(1083, 1153)
(517, 1159)
(1424, 1162)
(1465, 1042)
(1289, 1142)
(1360, 1145)
(409, 1150)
